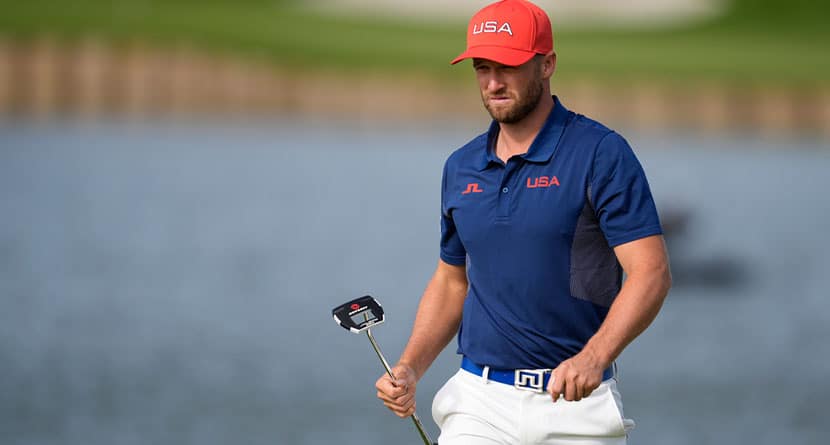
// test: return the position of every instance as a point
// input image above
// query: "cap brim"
(498, 54)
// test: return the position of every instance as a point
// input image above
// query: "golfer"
(540, 217)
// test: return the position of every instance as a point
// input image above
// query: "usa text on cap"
(509, 32)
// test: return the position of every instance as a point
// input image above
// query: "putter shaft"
(415, 419)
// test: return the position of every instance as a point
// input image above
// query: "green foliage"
(758, 42)
(789, 14)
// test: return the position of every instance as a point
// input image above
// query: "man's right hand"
(437, 321)
(398, 394)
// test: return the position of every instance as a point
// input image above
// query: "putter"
(360, 315)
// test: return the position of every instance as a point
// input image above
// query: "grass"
(764, 43)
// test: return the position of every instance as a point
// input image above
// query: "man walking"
(540, 217)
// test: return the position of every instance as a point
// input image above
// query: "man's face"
(510, 93)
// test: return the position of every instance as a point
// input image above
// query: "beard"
(525, 102)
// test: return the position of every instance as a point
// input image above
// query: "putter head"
(359, 314)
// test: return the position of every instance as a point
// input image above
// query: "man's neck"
(516, 138)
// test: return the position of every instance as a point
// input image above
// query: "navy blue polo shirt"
(536, 235)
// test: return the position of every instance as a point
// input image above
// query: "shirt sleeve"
(620, 193)
(452, 250)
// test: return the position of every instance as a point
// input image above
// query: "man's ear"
(549, 64)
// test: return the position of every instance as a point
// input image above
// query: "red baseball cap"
(509, 32)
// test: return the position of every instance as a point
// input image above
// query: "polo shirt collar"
(543, 146)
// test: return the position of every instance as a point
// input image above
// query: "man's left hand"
(576, 377)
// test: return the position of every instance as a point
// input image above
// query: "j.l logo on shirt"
(472, 188)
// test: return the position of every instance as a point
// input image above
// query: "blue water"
(171, 283)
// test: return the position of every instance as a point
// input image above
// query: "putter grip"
(424, 436)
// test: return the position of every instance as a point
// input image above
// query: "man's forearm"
(634, 309)
(638, 302)
(438, 318)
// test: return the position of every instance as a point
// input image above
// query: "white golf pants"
(473, 411)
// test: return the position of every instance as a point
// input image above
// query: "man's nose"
(494, 83)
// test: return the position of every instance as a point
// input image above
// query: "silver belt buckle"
(530, 379)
